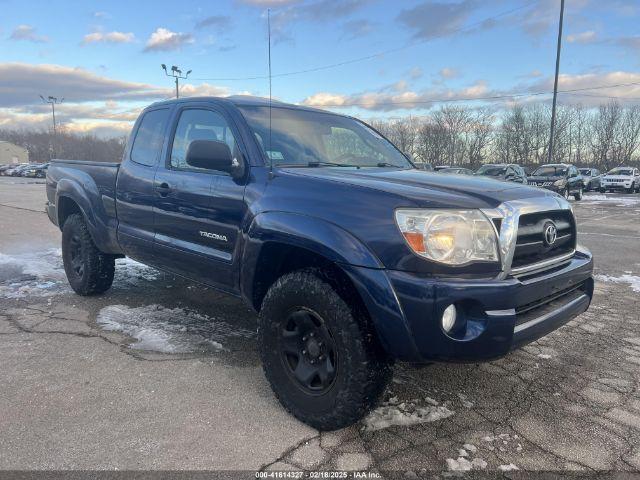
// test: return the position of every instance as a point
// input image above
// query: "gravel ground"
(162, 374)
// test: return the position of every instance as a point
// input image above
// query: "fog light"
(449, 318)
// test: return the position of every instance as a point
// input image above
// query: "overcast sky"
(393, 57)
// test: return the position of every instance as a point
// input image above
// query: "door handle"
(163, 189)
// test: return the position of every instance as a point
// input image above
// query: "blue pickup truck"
(352, 257)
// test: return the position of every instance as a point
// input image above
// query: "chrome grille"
(531, 246)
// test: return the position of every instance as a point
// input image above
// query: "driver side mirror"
(212, 155)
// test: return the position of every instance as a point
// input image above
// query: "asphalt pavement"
(162, 374)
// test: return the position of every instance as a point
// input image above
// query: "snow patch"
(610, 199)
(37, 274)
(404, 414)
(632, 280)
(470, 447)
(507, 468)
(41, 274)
(544, 356)
(169, 330)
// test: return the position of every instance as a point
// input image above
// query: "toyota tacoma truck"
(351, 256)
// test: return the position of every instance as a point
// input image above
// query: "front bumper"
(499, 315)
(616, 186)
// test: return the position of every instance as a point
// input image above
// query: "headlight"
(559, 183)
(454, 237)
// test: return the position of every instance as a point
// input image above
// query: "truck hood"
(427, 188)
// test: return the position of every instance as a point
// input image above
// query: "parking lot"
(162, 374)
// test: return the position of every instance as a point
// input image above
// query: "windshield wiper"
(330, 164)
(387, 164)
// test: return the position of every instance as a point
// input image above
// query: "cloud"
(92, 102)
(215, 22)
(448, 73)
(102, 15)
(22, 83)
(269, 3)
(588, 80)
(108, 37)
(28, 33)
(390, 99)
(632, 42)
(317, 11)
(544, 15)
(415, 73)
(163, 40)
(588, 36)
(357, 28)
(434, 19)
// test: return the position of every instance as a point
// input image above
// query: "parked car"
(351, 256)
(12, 172)
(456, 171)
(561, 178)
(4, 168)
(621, 178)
(507, 172)
(35, 171)
(591, 178)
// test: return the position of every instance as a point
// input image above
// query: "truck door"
(198, 212)
(135, 195)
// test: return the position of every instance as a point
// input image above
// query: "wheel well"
(66, 207)
(278, 259)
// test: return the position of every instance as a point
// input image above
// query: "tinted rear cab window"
(150, 137)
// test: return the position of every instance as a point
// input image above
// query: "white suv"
(621, 178)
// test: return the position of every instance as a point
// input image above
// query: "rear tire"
(89, 271)
(320, 356)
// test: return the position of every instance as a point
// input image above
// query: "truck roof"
(240, 100)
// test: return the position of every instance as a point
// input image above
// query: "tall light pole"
(555, 83)
(53, 101)
(177, 74)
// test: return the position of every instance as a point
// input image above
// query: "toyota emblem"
(550, 234)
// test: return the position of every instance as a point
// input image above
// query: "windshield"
(620, 171)
(305, 138)
(550, 171)
(491, 170)
(585, 171)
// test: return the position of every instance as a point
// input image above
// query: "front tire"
(89, 271)
(632, 189)
(320, 355)
(578, 195)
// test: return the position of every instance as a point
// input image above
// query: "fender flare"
(325, 238)
(338, 246)
(89, 200)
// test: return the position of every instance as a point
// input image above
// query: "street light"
(177, 74)
(53, 101)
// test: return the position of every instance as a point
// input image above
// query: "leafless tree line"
(458, 135)
(42, 145)
(450, 135)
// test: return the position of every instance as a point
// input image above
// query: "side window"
(195, 124)
(148, 142)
